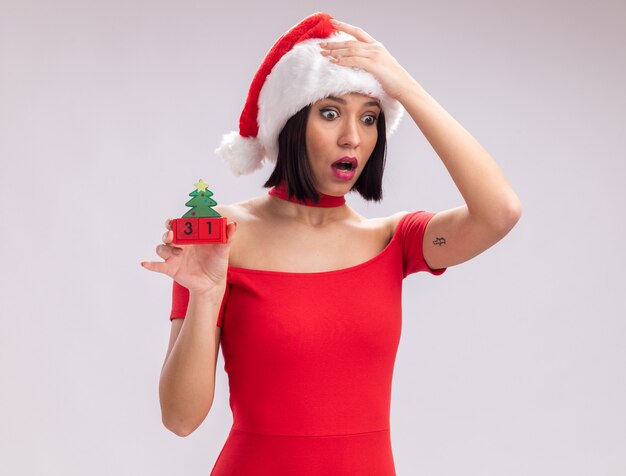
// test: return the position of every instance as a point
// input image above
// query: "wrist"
(411, 89)
(208, 295)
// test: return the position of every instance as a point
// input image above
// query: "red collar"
(326, 201)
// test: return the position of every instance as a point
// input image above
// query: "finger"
(355, 31)
(354, 60)
(336, 45)
(168, 223)
(350, 51)
(167, 251)
(168, 236)
(156, 266)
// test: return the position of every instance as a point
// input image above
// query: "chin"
(340, 189)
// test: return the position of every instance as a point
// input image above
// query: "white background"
(509, 364)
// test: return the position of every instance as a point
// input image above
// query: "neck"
(326, 201)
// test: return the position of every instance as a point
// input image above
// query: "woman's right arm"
(187, 382)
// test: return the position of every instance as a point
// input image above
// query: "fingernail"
(332, 20)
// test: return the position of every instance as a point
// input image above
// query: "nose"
(349, 136)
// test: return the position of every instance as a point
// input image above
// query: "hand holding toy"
(198, 268)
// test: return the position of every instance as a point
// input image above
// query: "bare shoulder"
(239, 212)
(250, 222)
(383, 226)
(393, 221)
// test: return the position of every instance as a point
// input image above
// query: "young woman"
(305, 298)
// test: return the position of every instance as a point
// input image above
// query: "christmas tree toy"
(201, 224)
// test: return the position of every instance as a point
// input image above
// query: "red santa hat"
(293, 75)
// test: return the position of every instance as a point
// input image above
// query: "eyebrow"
(343, 101)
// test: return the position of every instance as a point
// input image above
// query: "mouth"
(345, 164)
(345, 168)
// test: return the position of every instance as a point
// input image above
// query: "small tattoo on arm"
(439, 241)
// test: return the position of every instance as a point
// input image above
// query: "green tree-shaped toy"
(201, 202)
(201, 224)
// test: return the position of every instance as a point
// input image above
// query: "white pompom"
(243, 155)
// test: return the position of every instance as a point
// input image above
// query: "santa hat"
(293, 75)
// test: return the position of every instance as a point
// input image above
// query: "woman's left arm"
(492, 207)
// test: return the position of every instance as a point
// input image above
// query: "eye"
(329, 114)
(370, 119)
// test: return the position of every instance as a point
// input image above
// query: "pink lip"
(352, 160)
(345, 174)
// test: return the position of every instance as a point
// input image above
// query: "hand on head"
(370, 55)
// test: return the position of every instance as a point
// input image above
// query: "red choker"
(326, 201)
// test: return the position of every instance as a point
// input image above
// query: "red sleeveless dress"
(310, 358)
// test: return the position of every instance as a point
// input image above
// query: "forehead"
(356, 99)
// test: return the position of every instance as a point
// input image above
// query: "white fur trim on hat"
(243, 155)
